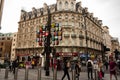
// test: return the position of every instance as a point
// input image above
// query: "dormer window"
(66, 5)
(72, 6)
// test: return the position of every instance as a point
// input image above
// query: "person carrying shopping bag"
(100, 70)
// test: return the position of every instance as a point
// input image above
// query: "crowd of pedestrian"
(67, 65)
(16, 64)
(96, 68)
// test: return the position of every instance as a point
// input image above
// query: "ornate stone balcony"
(66, 35)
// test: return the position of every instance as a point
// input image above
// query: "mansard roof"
(53, 8)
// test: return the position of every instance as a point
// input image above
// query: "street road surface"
(34, 72)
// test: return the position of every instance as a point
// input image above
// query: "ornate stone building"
(81, 31)
(114, 43)
(107, 40)
(115, 46)
(5, 46)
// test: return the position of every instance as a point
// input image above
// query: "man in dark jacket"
(65, 69)
(14, 65)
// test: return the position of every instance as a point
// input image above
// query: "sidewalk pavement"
(34, 72)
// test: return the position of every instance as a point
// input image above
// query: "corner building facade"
(81, 31)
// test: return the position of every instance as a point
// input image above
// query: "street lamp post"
(47, 45)
(47, 35)
(51, 32)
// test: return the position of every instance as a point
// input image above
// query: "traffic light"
(106, 49)
(116, 54)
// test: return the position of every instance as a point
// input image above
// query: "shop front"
(84, 57)
(61, 56)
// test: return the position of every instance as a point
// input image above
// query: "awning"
(21, 54)
(84, 55)
(67, 54)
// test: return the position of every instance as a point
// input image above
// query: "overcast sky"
(106, 10)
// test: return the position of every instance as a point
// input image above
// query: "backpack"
(68, 64)
(33, 62)
(89, 65)
(78, 68)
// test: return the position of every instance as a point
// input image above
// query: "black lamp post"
(47, 48)
(47, 45)
(116, 54)
(48, 34)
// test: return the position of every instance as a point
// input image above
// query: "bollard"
(16, 74)
(0, 68)
(73, 72)
(26, 74)
(54, 69)
(6, 73)
(95, 73)
(39, 74)
(55, 73)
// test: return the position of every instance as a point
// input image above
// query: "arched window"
(81, 42)
(72, 6)
(60, 16)
(66, 16)
(66, 5)
(60, 6)
(26, 30)
(81, 33)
